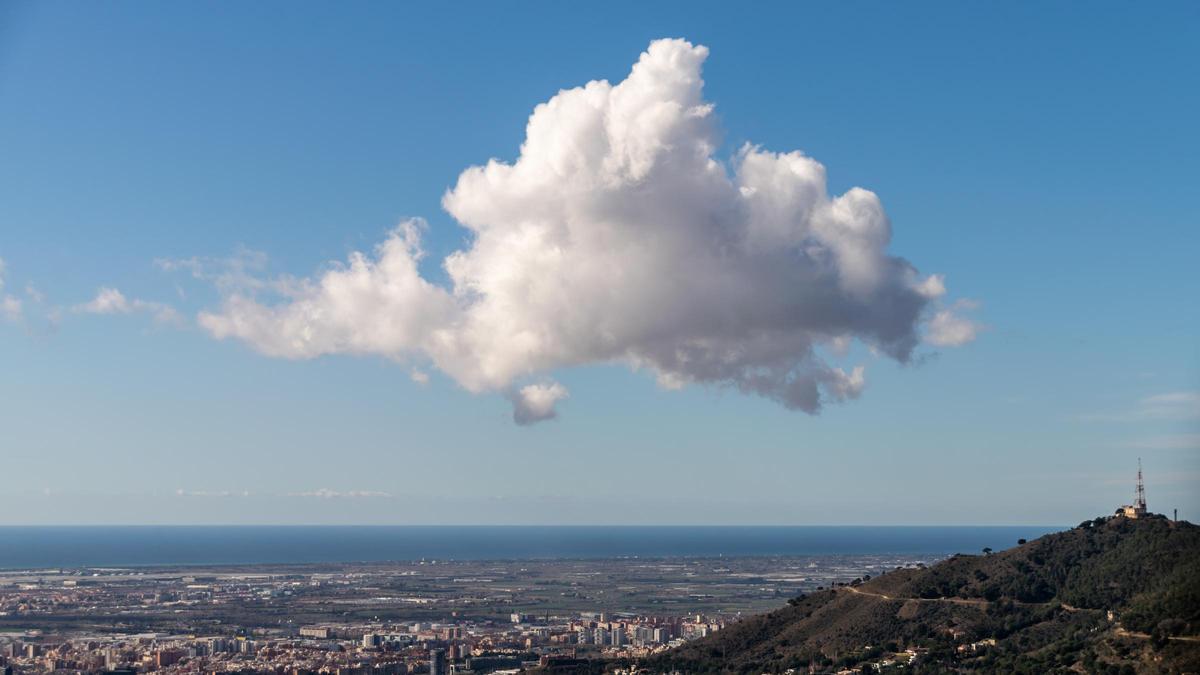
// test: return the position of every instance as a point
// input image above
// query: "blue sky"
(1042, 158)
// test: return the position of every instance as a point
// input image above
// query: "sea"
(38, 547)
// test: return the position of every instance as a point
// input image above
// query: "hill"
(1113, 595)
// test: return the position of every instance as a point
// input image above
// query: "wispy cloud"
(210, 493)
(11, 308)
(1180, 405)
(1173, 406)
(34, 293)
(240, 272)
(326, 493)
(949, 327)
(32, 312)
(112, 301)
(320, 493)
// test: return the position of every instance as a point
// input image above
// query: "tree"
(987, 550)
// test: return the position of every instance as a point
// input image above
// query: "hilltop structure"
(1113, 595)
(1138, 508)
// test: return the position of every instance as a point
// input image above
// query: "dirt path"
(956, 601)
(972, 602)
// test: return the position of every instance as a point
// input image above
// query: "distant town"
(434, 617)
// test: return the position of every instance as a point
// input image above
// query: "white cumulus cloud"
(536, 402)
(619, 236)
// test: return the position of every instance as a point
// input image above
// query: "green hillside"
(1112, 595)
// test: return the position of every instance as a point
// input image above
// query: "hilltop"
(1111, 595)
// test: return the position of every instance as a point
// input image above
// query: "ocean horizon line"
(526, 525)
(151, 545)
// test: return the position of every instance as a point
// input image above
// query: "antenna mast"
(1140, 500)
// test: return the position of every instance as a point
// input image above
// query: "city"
(421, 616)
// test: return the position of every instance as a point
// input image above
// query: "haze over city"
(625, 264)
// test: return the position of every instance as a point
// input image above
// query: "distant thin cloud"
(326, 493)
(110, 300)
(10, 308)
(320, 493)
(239, 272)
(10, 305)
(210, 493)
(1170, 406)
(32, 313)
(949, 328)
